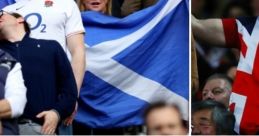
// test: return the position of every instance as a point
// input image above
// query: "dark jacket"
(47, 74)
(7, 62)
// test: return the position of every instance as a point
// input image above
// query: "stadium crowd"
(34, 102)
(216, 95)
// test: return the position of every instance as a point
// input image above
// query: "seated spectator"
(212, 118)
(164, 119)
(52, 91)
(218, 88)
(103, 6)
(122, 8)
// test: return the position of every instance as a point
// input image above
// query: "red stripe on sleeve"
(231, 33)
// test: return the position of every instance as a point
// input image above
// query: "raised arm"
(209, 31)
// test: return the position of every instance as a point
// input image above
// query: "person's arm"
(75, 42)
(66, 83)
(74, 32)
(51, 119)
(15, 94)
(5, 110)
(194, 68)
(77, 49)
(67, 92)
(209, 31)
(78, 62)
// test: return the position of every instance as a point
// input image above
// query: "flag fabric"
(134, 61)
(4, 3)
(242, 33)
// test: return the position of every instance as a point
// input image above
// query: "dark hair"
(220, 76)
(26, 25)
(160, 105)
(224, 120)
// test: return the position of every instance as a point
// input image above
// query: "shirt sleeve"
(66, 83)
(74, 24)
(15, 91)
(231, 33)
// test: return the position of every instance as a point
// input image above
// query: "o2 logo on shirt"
(35, 21)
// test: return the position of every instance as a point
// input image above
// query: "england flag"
(134, 61)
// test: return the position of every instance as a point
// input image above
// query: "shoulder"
(68, 5)
(4, 56)
(7, 60)
(15, 6)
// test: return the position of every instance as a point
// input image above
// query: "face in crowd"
(95, 5)
(165, 121)
(202, 120)
(212, 118)
(7, 21)
(217, 89)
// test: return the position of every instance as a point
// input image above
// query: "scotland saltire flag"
(134, 61)
(4, 3)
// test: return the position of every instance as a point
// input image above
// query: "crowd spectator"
(60, 21)
(12, 88)
(52, 91)
(165, 119)
(103, 6)
(218, 88)
(212, 118)
(239, 33)
(213, 59)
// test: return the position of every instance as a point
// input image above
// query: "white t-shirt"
(15, 90)
(55, 21)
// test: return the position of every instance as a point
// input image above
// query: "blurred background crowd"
(216, 69)
(159, 118)
(212, 60)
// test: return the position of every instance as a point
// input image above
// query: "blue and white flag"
(4, 3)
(134, 61)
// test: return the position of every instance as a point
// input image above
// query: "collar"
(25, 38)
